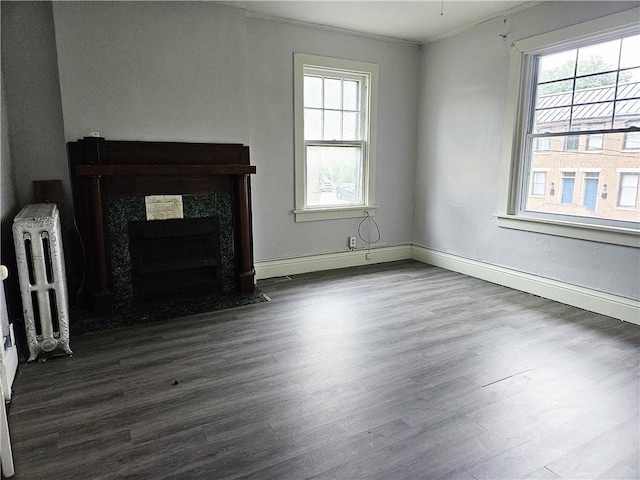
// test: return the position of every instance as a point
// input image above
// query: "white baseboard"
(592, 300)
(581, 297)
(329, 261)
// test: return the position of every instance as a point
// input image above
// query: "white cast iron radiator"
(38, 240)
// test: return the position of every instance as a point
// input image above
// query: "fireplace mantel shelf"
(161, 170)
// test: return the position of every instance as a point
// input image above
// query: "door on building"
(590, 190)
(568, 182)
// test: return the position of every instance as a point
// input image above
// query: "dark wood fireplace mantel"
(105, 168)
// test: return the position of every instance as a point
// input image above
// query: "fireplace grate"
(175, 258)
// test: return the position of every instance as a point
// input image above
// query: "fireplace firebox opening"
(175, 258)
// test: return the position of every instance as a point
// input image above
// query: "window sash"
(360, 184)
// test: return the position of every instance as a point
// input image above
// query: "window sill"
(596, 233)
(311, 215)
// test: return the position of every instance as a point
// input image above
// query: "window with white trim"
(632, 139)
(628, 191)
(544, 144)
(335, 117)
(596, 141)
(579, 82)
(539, 183)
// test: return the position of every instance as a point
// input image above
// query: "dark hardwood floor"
(395, 371)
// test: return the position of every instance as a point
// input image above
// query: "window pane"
(627, 111)
(332, 127)
(630, 48)
(628, 85)
(312, 124)
(312, 91)
(351, 89)
(584, 86)
(350, 129)
(598, 58)
(557, 66)
(553, 119)
(334, 175)
(548, 94)
(332, 93)
(592, 111)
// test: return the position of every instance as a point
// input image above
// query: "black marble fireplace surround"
(122, 210)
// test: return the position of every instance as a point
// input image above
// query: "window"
(578, 85)
(335, 117)
(628, 193)
(596, 140)
(539, 183)
(632, 139)
(544, 144)
(571, 142)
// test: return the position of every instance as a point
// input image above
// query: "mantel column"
(103, 298)
(243, 234)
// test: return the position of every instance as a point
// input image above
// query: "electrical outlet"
(368, 256)
(352, 242)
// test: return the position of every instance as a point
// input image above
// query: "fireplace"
(175, 258)
(131, 258)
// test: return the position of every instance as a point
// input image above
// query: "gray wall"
(271, 47)
(203, 72)
(153, 70)
(8, 189)
(9, 207)
(463, 85)
(34, 113)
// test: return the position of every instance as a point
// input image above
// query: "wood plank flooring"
(394, 371)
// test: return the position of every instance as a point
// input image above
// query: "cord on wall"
(368, 220)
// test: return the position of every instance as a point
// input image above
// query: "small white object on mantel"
(163, 207)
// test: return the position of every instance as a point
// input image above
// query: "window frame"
(342, 68)
(621, 173)
(535, 172)
(511, 212)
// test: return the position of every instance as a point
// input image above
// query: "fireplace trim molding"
(103, 168)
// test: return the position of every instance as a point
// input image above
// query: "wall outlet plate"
(352, 242)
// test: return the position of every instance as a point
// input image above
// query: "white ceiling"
(413, 21)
